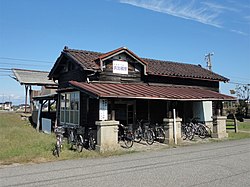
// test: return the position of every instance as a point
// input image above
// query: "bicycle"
(144, 133)
(159, 133)
(80, 137)
(75, 138)
(89, 141)
(187, 131)
(59, 131)
(199, 128)
(125, 135)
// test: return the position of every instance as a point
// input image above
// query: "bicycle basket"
(146, 125)
(59, 130)
(80, 130)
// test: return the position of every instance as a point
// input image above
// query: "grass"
(244, 126)
(21, 143)
(244, 130)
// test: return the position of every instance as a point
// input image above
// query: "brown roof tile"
(84, 58)
(174, 69)
(87, 59)
(145, 91)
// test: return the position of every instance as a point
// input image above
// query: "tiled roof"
(175, 69)
(84, 58)
(145, 91)
(87, 59)
(33, 77)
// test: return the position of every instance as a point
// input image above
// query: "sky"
(33, 33)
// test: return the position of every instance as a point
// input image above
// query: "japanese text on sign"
(120, 67)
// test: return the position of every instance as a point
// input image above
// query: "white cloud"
(218, 7)
(247, 18)
(203, 14)
(239, 32)
(227, 14)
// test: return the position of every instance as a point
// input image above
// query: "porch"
(105, 105)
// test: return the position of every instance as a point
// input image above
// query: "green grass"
(21, 143)
(244, 126)
(239, 135)
(244, 130)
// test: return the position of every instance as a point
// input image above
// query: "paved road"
(215, 164)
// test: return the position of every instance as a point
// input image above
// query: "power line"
(7, 69)
(238, 83)
(18, 64)
(21, 59)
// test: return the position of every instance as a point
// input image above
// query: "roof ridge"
(30, 70)
(80, 50)
(153, 65)
(169, 61)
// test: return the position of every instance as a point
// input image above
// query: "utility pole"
(208, 60)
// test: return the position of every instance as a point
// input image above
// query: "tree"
(243, 95)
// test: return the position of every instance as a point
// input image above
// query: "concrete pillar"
(168, 126)
(210, 125)
(107, 135)
(219, 127)
(178, 130)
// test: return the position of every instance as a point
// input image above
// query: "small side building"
(38, 99)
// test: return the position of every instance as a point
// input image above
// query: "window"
(70, 107)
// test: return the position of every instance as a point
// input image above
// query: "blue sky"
(33, 33)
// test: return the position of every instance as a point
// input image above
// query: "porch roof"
(33, 77)
(147, 91)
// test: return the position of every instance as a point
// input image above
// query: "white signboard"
(46, 125)
(103, 109)
(120, 67)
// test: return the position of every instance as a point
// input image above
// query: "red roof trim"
(145, 91)
(121, 49)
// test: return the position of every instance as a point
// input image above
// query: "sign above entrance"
(120, 67)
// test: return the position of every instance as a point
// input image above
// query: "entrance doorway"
(125, 112)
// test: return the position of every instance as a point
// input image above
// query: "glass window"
(70, 107)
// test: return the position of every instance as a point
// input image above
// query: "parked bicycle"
(80, 137)
(59, 131)
(159, 133)
(199, 128)
(143, 132)
(187, 131)
(125, 135)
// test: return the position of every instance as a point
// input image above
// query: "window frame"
(70, 108)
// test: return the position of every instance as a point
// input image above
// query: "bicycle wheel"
(56, 151)
(92, 141)
(189, 132)
(160, 135)
(183, 132)
(137, 136)
(79, 143)
(71, 138)
(128, 140)
(202, 132)
(149, 136)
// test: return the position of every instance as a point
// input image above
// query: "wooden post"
(38, 116)
(148, 110)
(113, 115)
(175, 128)
(235, 124)
(26, 95)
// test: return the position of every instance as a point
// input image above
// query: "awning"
(146, 91)
(33, 77)
(46, 97)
